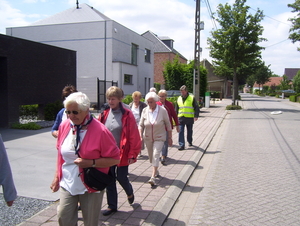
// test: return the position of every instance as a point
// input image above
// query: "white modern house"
(106, 50)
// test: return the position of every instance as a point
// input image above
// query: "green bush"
(28, 112)
(27, 126)
(233, 107)
(52, 109)
(293, 98)
(128, 99)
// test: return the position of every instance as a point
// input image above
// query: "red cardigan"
(130, 143)
(171, 112)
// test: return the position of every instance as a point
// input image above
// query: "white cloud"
(10, 17)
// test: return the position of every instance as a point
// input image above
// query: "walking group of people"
(109, 143)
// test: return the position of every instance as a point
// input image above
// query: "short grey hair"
(152, 89)
(183, 88)
(151, 95)
(79, 98)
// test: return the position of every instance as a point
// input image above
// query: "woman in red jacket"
(121, 123)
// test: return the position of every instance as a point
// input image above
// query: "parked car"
(288, 92)
(173, 93)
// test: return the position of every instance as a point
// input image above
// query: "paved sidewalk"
(152, 205)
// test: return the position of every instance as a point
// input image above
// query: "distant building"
(273, 81)
(163, 52)
(106, 50)
(216, 83)
(291, 72)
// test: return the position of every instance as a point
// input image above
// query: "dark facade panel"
(32, 73)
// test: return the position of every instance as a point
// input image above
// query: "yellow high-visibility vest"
(186, 109)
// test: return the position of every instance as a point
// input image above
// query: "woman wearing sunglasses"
(82, 142)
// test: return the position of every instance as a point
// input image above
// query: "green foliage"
(235, 45)
(128, 99)
(26, 126)
(173, 100)
(28, 112)
(52, 109)
(157, 86)
(177, 74)
(296, 82)
(233, 107)
(295, 29)
(285, 83)
(293, 98)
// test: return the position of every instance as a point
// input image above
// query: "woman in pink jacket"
(121, 123)
(82, 142)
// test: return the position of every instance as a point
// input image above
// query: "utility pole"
(198, 27)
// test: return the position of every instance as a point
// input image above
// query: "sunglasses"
(73, 112)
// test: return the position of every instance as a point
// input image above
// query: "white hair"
(152, 89)
(79, 98)
(151, 95)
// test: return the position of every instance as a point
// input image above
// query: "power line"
(272, 18)
(211, 13)
(276, 43)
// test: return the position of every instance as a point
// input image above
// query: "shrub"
(233, 107)
(293, 98)
(128, 99)
(28, 112)
(27, 126)
(52, 109)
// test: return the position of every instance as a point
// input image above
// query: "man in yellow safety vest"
(188, 112)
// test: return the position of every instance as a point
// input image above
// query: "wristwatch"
(94, 163)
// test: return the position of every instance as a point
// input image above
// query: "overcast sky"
(173, 18)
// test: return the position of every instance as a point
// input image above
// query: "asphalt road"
(250, 173)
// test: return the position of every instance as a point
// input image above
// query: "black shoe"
(163, 161)
(108, 212)
(181, 148)
(190, 144)
(131, 200)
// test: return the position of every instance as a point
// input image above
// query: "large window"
(134, 52)
(127, 79)
(147, 55)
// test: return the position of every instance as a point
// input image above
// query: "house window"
(127, 79)
(147, 55)
(134, 49)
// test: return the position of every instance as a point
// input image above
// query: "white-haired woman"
(82, 142)
(152, 127)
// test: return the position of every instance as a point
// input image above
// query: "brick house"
(163, 52)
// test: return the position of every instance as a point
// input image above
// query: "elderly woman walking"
(153, 125)
(82, 142)
(172, 117)
(121, 123)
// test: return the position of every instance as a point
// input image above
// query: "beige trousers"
(90, 204)
(154, 151)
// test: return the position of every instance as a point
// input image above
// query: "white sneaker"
(151, 181)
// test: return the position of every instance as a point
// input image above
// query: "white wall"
(99, 46)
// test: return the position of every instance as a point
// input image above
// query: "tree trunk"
(235, 88)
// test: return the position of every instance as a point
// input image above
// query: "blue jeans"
(189, 136)
(164, 150)
(121, 174)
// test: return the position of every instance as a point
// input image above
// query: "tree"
(285, 83)
(177, 74)
(295, 29)
(235, 45)
(296, 82)
(262, 74)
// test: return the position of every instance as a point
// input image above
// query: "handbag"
(96, 179)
